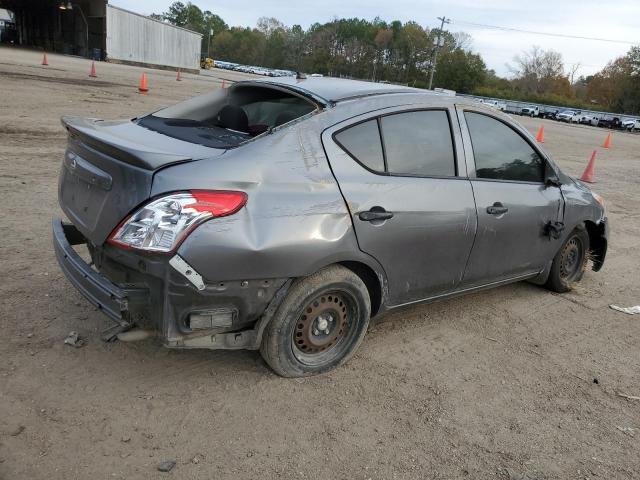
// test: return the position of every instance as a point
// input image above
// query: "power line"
(548, 34)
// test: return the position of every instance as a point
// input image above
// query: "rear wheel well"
(371, 281)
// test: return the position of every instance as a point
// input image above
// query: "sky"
(614, 20)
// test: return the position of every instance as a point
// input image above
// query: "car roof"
(332, 90)
(329, 92)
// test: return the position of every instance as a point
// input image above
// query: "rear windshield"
(228, 117)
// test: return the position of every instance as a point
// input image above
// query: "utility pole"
(209, 43)
(437, 44)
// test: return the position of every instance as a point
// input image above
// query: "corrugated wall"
(138, 39)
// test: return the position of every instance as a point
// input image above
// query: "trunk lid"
(108, 170)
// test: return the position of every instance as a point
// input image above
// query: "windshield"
(228, 117)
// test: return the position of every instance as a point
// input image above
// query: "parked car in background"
(445, 91)
(569, 116)
(609, 121)
(246, 217)
(588, 119)
(549, 113)
(267, 72)
(631, 124)
(531, 111)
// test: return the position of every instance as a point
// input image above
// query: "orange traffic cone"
(607, 141)
(143, 88)
(45, 62)
(224, 84)
(588, 175)
(540, 137)
(92, 72)
(178, 76)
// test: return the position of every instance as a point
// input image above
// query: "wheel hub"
(570, 258)
(322, 323)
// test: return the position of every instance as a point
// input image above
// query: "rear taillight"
(162, 224)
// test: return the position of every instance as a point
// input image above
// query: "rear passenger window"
(418, 143)
(500, 152)
(362, 142)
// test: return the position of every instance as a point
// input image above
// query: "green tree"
(617, 86)
(240, 45)
(185, 15)
(295, 48)
(343, 47)
(460, 70)
(190, 16)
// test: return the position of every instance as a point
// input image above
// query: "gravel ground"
(512, 383)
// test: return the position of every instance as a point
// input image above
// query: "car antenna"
(300, 76)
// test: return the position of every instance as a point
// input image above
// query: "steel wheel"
(571, 259)
(322, 328)
(319, 323)
(569, 262)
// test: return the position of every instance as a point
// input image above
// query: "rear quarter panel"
(295, 221)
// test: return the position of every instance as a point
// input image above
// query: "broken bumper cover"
(114, 301)
(167, 295)
(599, 244)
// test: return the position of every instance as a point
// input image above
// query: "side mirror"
(551, 177)
(552, 181)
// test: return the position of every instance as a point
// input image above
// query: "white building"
(93, 28)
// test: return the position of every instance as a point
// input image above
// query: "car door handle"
(376, 213)
(497, 209)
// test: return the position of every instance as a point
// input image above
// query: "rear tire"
(570, 262)
(319, 324)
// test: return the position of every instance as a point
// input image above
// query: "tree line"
(399, 52)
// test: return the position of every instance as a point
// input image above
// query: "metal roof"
(162, 22)
(6, 15)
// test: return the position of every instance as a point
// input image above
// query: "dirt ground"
(512, 383)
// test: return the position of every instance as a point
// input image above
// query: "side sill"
(464, 291)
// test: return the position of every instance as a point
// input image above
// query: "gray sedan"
(283, 214)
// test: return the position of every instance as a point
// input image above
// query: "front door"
(513, 203)
(412, 206)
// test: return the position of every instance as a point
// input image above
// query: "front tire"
(319, 325)
(570, 262)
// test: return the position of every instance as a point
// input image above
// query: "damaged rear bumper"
(160, 293)
(112, 300)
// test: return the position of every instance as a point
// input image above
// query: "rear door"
(404, 180)
(513, 203)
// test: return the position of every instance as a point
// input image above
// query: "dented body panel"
(425, 246)
(514, 244)
(305, 195)
(295, 222)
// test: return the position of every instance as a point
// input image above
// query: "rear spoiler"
(91, 133)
